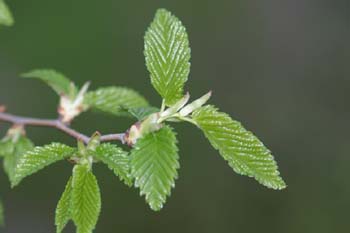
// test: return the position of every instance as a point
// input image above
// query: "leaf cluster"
(152, 163)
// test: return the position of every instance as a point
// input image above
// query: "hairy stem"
(53, 123)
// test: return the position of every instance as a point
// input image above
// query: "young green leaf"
(244, 152)
(57, 81)
(19, 148)
(143, 112)
(2, 218)
(116, 159)
(38, 158)
(167, 55)
(86, 199)
(5, 14)
(64, 208)
(154, 160)
(114, 100)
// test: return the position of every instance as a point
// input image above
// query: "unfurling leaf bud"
(141, 128)
(15, 132)
(81, 148)
(94, 141)
(72, 107)
(176, 107)
(195, 105)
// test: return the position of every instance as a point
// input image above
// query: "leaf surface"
(57, 81)
(38, 158)
(143, 112)
(245, 153)
(154, 164)
(21, 146)
(116, 159)
(114, 100)
(86, 199)
(64, 208)
(167, 55)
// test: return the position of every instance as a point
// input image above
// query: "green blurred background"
(280, 67)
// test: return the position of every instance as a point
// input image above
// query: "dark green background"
(280, 67)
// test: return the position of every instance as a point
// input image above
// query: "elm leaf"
(57, 81)
(114, 100)
(86, 199)
(38, 158)
(167, 54)
(154, 164)
(243, 151)
(64, 208)
(116, 159)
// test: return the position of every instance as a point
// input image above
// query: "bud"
(15, 132)
(83, 157)
(132, 134)
(81, 148)
(72, 107)
(176, 107)
(195, 105)
(141, 128)
(94, 141)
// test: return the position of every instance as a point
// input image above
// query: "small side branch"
(113, 137)
(27, 121)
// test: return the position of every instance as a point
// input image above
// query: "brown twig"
(25, 121)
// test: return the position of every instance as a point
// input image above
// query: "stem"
(162, 108)
(25, 121)
(113, 137)
(177, 118)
